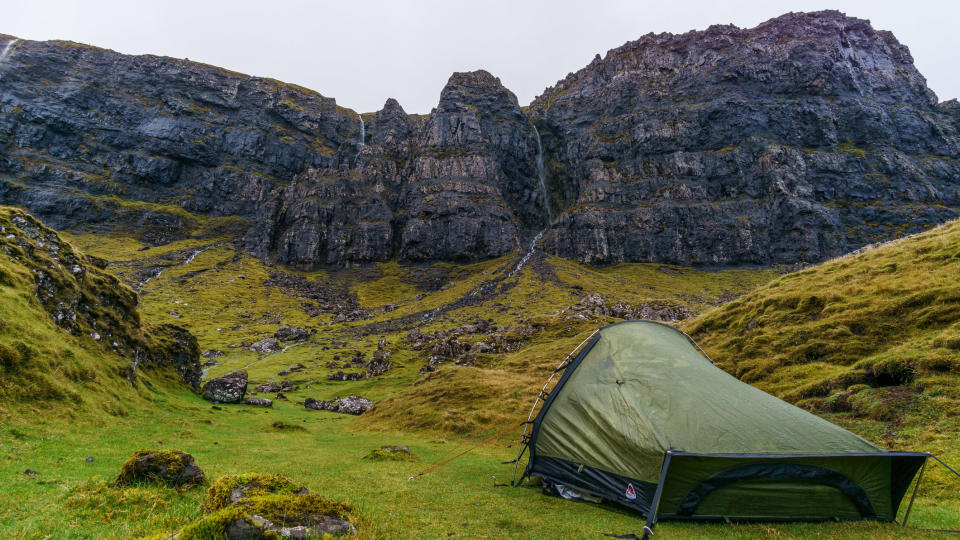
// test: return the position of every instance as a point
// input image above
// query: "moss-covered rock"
(391, 453)
(234, 488)
(169, 467)
(274, 516)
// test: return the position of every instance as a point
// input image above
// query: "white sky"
(362, 52)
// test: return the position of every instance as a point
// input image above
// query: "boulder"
(227, 389)
(291, 333)
(347, 405)
(257, 401)
(169, 467)
(353, 405)
(267, 345)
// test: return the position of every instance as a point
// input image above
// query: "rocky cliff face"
(797, 140)
(800, 139)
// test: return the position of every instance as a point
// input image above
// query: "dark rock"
(291, 333)
(348, 405)
(30, 472)
(211, 353)
(805, 137)
(798, 140)
(170, 467)
(593, 306)
(343, 376)
(89, 459)
(227, 389)
(271, 387)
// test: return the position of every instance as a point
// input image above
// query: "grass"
(225, 298)
(868, 340)
(70, 499)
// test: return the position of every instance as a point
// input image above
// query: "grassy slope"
(44, 368)
(871, 341)
(430, 413)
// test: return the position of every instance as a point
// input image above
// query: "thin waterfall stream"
(546, 204)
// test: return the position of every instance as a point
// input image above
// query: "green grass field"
(226, 298)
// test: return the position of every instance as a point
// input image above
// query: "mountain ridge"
(805, 137)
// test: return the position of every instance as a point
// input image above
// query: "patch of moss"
(249, 485)
(387, 454)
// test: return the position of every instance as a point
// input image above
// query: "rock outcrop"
(803, 138)
(84, 300)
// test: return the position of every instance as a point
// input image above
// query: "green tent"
(642, 418)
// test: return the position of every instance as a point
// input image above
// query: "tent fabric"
(640, 395)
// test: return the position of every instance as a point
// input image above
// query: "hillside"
(870, 340)
(801, 139)
(71, 336)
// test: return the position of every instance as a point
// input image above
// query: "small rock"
(291, 333)
(89, 459)
(259, 402)
(347, 405)
(30, 472)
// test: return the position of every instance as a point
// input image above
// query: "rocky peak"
(759, 132)
(474, 88)
(822, 53)
(390, 125)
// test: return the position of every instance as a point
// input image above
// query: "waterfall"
(189, 260)
(543, 184)
(7, 50)
(528, 254)
(546, 205)
(363, 132)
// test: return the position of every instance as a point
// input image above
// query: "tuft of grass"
(386, 454)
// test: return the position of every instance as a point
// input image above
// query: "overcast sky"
(362, 52)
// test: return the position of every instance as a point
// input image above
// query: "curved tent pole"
(695, 344)
(523, 436)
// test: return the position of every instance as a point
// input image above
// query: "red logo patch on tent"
(630, 493)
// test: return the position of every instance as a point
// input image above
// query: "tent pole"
(915, 487)
(655, 504)
(536, 401)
